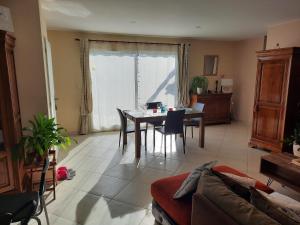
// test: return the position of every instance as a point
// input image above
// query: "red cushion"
(258, 184)
(180, 210)
(163, 190)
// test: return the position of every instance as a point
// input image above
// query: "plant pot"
(296, 149)
(194, 99)
(199, 91)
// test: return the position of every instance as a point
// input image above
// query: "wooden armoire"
(11, 172)
(277, 98)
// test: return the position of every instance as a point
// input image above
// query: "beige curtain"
(183, 75)
(86, 96)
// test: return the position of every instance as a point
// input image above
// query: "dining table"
(148, 116)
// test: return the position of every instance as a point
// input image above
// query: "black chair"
(156, 124)
(197, 107)
(22, 207)
(173, 125)
(125, 129)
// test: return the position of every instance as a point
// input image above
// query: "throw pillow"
(244, 181)
(281, 214)
(189, 185)
(234, 185)
(214, 190)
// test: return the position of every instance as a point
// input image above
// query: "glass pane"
(113, 85)
(157, 79)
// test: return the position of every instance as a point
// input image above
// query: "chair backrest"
(122, 119)
(153, 105)
(198, 107)
(43, 176)
(174, 122)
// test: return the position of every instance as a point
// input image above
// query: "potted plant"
(42, 135)
(295, 140)
(199, 85)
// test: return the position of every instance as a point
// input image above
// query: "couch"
(194, 209)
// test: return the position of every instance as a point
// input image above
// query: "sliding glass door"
(127, 80)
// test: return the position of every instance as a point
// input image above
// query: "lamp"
(226, 85)
(5, 19)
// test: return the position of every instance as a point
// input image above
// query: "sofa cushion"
(189, 185)
(235, 186)
(214, 189)
(258, 185)
(163, 190)
(279, 212)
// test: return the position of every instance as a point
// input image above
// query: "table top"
(283, 160)
(149, 115)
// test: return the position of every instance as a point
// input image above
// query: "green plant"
(42, 135)
(295, 138)
(199, 82)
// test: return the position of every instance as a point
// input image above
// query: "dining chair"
(22, 207)
(173, 125)
(197, 107)
(155, 124)
(125, 129)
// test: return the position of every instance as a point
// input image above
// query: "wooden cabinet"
(217, 107)
(10, 120)
(277, 99)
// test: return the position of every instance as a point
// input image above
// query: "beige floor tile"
(42, 217)
(149, 175)
(119, 213)
(164, 164)
(123, 171)
(63, 196)
(102, 185)
(84, 208)
(135, 193)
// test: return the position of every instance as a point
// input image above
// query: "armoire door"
(6, 172)
(10, 170)
(269, 100)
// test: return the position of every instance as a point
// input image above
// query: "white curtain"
(183, 77)
(126, 76)
(86, 95)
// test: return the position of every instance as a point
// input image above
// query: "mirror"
(210, 65)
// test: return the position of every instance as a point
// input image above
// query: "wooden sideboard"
(217, 107)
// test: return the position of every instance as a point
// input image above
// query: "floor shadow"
(85, 206)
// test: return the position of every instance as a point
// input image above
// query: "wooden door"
(268, 124)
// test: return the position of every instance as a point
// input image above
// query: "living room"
(79, 61)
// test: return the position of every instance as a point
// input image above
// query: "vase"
(199, 91)
(296, 150)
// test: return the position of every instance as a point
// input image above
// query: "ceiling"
(211, 19)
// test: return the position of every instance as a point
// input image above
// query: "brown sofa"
(196, 209)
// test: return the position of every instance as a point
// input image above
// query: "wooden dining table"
(147, 116)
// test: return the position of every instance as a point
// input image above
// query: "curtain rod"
(130, 42)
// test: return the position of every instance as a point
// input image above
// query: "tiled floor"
(111, 187)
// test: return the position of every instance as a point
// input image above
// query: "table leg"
(201, 132)
(137, 139)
